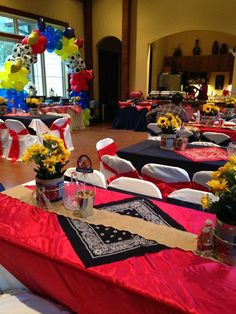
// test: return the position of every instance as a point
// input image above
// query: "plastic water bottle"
(205, 240)
(198, 117)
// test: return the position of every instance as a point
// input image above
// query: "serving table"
(149, 152)
(75, 112)
(35, 249)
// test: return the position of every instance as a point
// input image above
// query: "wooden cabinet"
(210, 63)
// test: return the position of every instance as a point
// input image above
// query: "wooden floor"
(84, 141)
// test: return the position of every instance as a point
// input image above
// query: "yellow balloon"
(16, 66)
(65, 41)
(6, 84)
(12, 76)
(24, 71)
(7, 65)
(19, 86)
(33, 38)
(3, 75)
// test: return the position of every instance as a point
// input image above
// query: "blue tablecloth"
(149, 152)
(130, 118)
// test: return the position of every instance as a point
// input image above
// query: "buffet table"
(36, 250)
(74, 111)
(149, 152)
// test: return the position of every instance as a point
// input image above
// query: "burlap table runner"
(162, 234)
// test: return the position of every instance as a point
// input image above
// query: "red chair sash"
(2, 127)
(61, 130)
(15, 144)
(200, 187)
(110, 149)
(167, 188)
(130, 174)
(148, 107)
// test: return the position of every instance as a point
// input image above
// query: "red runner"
(204, 154)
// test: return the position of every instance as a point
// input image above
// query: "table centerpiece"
(50, 157)
(33, 104)
(168, 125)
(223, 185)
(209, 112)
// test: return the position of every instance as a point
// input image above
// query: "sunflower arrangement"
(75, 99)
(169, 123)
(50, 157)
(33, 102)
(3, 100)
(210, 109)
(223, 185)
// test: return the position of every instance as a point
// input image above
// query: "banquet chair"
(217, 138)
(19, 140)
(4, 139)
(203, 143)
(116, 167)
(233, 120)
(200, 179)
(136, 186)
(17, 298)
(153, 132)
(105, 146)
(166, 178)
(96, 178)
(188, 196)
(60, 128)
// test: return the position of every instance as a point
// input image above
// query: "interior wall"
(107, 21)
(157, 19)
(70, 11)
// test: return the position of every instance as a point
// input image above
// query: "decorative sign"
(84, 164)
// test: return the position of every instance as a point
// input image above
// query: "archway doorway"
(109, 56)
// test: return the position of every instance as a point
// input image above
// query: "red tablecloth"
(61, 109)
(35, 249)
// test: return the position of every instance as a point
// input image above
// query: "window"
(49, 71)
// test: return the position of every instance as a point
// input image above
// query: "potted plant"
(50, 158)
(168, 125)
(223, 185)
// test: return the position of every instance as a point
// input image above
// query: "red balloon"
(24, 41)
(79, 42)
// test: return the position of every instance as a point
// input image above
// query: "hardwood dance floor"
(84, 141)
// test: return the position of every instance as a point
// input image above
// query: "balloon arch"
(14, 75)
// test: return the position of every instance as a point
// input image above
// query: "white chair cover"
(183, 133)
(96, 177)
(8, 281)
(136, 186)
(202, 143)
(60, 128)
(232, 120)
(39, 127)
(26, 302)
(105, 146)
(117, 167)
(200, 180)
(4, 139)
(191, 195)
(166, 178)
(20, 139)
(52, 113)
(215, 137)
(153, 132)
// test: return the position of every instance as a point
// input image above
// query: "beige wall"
(70, 11)
(156, 19)
(107, 21)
